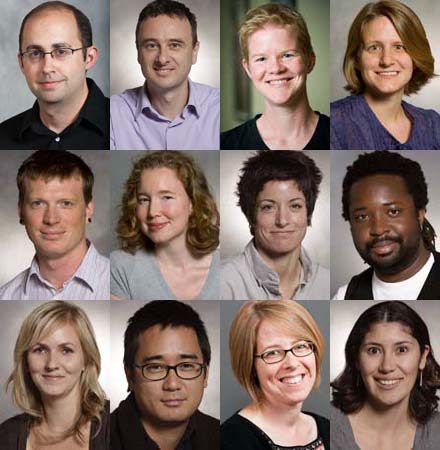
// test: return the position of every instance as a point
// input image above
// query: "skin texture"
(276, 66)
(385, 66)
(385, 227)
(390, 354)
(281, 218)
(169, 402)
(55, 364)
(55, 214)
(163, 206)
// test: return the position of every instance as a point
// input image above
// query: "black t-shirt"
(90, 131)
(247, 137)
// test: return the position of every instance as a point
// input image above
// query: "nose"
(281, 218)
(291, 360)
(162, 56)
(51, 362)
(275, 65)
(378, 225)
(50, 215)
(153, 208)
(388, 363)
(386, 57)
(172, 382)
(47, 63)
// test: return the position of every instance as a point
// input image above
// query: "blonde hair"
(289, 316)
(408, 27)
(39, 323)
(277, 14)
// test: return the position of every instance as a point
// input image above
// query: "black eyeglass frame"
(168, 368)
(43, 54)
(261, 355)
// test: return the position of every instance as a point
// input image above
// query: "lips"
(293, 380)
(173, 402)
(52, 377)
(387, 73)
(50, 83)
(388, 383)
(278, 82)
(163, 70)
(52, 235)
(156, 226)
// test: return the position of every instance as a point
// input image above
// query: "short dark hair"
(50, 164)
(349, 393)
(169, 8)
(82, 21)
(391, 163)
(277, 165)
(166, 313)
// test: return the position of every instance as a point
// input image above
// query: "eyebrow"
(58, 345)
(361, 208)
(294, 199)
(160, 192)
(148, 359)
(54, 46)
(395, 344)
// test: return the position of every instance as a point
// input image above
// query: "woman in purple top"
(387, 56)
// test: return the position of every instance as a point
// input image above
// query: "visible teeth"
(293, 380)
(278, 81)
(388, 382)
(387, 73)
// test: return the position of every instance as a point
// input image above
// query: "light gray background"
(234, 232)
(125, 71)
(343, 12)
(14, 92)
(16, 249)
(12, 315)
(346, 261)
(234, 397)
(122, 310)
(121, 165)
(343, 315)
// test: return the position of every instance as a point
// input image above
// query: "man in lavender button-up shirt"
(169, 112)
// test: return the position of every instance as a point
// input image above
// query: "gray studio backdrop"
(234, 397)
(234, 230)
(346, 261)
(16, 249)
(12, 315)
(120, 313)
(14, 92)
(343, 315)
(121, 164)
(343, 12)
(125, 71)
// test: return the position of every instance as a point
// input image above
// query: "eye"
(35, 54)
(67, 350)
(150, 45)
(296, 206)
(400, 47)
(188, 367)
(273, 353)
(142, 200)
(402, 349)
(288, 55)
(61, 52)
(167, 197)
(38, 349)
(260, 59)
(175, 45)
(155, 368)
(266, 207)
(36, 204)
(373, 350)
(66, 204)
(361, 217)
(373, 48)
(394, 212)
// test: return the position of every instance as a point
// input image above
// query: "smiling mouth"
(388, 73)
(383, 248)
(156, 226)
(280, 82)
(297, 379)
(52, 377)
(388, 383)
(52, 236)
(163, 70)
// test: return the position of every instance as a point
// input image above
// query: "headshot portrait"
(63, 57)
(275, 243)
(56, 216)
(391, 222)
(274, 383)
(167, 354)
(166, 219)
(55, 367)
(384, 83)
(275, 75)
(384, 391)
(165, 63)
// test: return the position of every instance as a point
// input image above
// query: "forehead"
(275, 332)
(71, 186)
(272, 37)
(379, 28)
(286, 189)
(59, 332)
(165, 27)
(160, 178)
(388, 333)
(50, 27)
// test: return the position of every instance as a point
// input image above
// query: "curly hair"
(391, 163)
(408, 27)
(38, 324)
(278, 165)
(349, 392)
(202, 236)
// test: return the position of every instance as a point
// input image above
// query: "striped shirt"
(91, 281)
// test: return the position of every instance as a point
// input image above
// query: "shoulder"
(431, 431)
(323, 121)
(238, 433)
(340, 293)
(205, 421)
(15, 121)
(429, 114)
(10, 128)
(11, 430)
(206, 93)
(128, 98)
(323, 425)
(344, 104)
(123, 258)
(13, 289)
(233, 272)
(236, 138)
(102, 263)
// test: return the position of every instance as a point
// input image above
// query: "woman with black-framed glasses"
(276, 351)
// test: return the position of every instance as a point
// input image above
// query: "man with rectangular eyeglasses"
(55, 51)
(166, 360)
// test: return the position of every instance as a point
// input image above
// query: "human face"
(166, 52)
(171, 400)
(386, 68)
(163, 207)
(56, 363)
(281, 218)
(52, 81)
(55, 215)
(290, 381)
(385, 224)
(276, 65)
(389, 362)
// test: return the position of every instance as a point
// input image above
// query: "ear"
(19, 212)
(195, 52)
(421, 216)
(205, 381)
(245, 65)
(312, 62)
(424, 357)
(20, 62)
(91, 57)
(89, 210)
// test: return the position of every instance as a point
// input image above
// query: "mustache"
(385, 238)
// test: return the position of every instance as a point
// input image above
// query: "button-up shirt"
(136, 125)
(91, 281)
(90, 130)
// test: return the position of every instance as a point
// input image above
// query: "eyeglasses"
(184, 370)
(300, 349)
(60, 54)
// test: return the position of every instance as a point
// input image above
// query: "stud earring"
(89, 220)
(21, 221)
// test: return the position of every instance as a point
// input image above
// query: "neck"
(169, 103)
(60, 414)
(175, 254)
(58, 116)
(166, 436)
(286, 266)
(60, 269)
(387, 108)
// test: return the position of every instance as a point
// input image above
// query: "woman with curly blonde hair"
(55, 382)
(168, 229)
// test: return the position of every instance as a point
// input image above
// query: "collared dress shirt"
(91, 281)
(248, 277)
(90, 131)
(136, 125)
(354, 126)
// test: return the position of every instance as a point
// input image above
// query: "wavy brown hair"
(202, 236)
